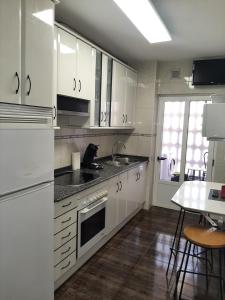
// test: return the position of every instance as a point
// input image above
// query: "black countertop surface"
(63, 191)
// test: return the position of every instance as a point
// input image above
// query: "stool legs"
(220, 274)
(185, 270)
(178, 232)
(206, 269)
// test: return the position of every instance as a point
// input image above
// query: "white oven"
(91, 221)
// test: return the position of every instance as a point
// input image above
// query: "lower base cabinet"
(126, 193)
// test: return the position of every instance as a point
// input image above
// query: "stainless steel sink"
(119, 161)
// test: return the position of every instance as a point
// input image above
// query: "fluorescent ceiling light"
(144, 16)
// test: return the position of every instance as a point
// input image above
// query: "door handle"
(75, 84)
(121, 186)
(126, 119)
(117, 187)
(80, 85)
(101, 117)
(137, 177)
(105, 117)
(18, 83)
(54, 112)
(29, 90)
(123, 118)
(161, 158)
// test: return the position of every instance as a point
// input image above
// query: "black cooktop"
(75, 178)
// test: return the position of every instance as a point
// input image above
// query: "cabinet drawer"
(64, 251)
(64, 236)
(64, 266)
(65, 220)
(65, 205)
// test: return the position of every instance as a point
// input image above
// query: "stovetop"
(75, 178)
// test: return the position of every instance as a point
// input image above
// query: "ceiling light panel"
(144, 16)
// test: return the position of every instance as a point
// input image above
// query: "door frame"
(159, 127)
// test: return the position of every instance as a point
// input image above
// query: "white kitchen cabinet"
(86, 59)
(136, 190)
(10, 51)
(131, 90)
(26, 55)
(67, 63)
(124, 83)
(118, 94)
(122, 197)
(112, 211)
(54, 93)
(76, 67)
(37, 54)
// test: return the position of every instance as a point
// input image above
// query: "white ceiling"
(197, 28)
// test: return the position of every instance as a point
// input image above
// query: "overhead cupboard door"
(10, 47)
(67, 66)
(86, 59)
(118, 94)
(37, 54)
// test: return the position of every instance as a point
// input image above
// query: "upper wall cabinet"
(76, 67)
(37, 55)
(26, 52)
(124, 83)
(10, 51)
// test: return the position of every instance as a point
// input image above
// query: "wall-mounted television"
(209, 72)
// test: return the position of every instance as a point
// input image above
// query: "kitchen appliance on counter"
(91, 221)
(89, 155)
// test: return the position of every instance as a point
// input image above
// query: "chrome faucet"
(117, 144)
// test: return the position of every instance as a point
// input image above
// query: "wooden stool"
(205, 238)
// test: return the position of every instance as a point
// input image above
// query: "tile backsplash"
(77, 140)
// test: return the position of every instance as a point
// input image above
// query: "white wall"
(183, 85)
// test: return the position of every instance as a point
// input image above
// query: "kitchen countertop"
(61, 192)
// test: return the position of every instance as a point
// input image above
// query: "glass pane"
(97, 86)
(197, 146)
(172, 141)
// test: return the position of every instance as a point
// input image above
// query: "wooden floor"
(133, 263)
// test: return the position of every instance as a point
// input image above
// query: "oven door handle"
(86, 210)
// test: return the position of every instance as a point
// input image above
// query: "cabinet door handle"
(123, 118)
(75, 84)
(80, 85)
(66, 236)
(117, 184)
(139, 175)
(105, 117)
(101, 117)
(66, 266)
(65, 221)
(68, 204)
(121, 186)
(66, 251)
(54, 112)
(29, 90)
(126, 119)
(136, 176)
(18, 83)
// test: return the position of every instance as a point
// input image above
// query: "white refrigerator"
(26, 214)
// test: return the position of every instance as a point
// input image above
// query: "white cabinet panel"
(37, 54)
(112, 211)
(118, 94)
(10, 51)
(122, 198)
(67, 66)
(86, 57)
(130, 96)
